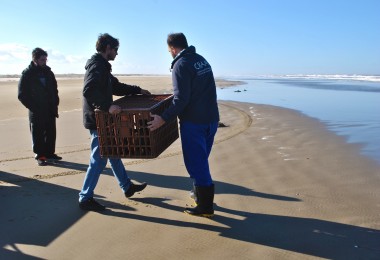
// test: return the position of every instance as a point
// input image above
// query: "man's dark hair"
(104, 40)
(37, 53)
(177, 40)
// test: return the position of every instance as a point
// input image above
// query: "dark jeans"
(43, 130)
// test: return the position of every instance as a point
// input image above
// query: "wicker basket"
(126, 135)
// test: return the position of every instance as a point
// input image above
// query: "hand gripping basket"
(125, 135)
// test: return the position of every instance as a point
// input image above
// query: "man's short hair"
(104, 40)
(37, 53)
(177, 40)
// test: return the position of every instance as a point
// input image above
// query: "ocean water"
(349, 106)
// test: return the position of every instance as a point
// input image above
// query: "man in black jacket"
(38, 92)
(99, 86)
(195, 104)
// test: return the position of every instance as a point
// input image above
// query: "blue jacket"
(194, 90)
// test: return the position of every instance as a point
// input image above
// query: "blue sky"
(238, 38)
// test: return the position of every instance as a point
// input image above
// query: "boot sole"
(42, 163)
(204, 215)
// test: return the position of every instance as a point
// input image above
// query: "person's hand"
(156, 123)
(114, 109)
(144, 92)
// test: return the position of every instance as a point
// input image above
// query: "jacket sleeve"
(181, 77)
(122, 89)
(55, 102)
(24, 92)
(91, 89)
(55, 88)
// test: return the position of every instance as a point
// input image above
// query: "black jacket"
(99, 86)
(39, 98)
(194, 89)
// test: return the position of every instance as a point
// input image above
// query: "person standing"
(99, 87)
(38, 92)
(195, 104)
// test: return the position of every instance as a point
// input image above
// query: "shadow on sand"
(23, 221)
(23, 215)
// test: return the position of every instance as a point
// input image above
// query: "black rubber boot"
(205, 202)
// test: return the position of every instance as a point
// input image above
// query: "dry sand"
(286, 188)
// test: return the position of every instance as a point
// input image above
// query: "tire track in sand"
(236, 119)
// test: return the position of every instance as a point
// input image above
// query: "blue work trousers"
(197, 141)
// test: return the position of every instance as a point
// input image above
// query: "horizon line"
(260, 76)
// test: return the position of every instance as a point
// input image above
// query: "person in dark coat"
(99, 87)
(195, 104)
(38, 92)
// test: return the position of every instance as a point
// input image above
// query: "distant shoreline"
(220, 82)
(355, 77)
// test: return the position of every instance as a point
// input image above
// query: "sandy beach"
(286, 188)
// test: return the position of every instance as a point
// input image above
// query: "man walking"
(195, 104)
(38, 92)
(99, 87)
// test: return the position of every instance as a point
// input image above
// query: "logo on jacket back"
(202, 67)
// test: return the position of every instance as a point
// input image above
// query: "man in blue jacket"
(38, 92)
(99, 87)
(195, 104)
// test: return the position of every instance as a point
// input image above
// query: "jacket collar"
(34, 67)
(106, 62)
(188, 50)
(96, 59)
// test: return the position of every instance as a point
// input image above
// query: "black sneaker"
(41, 161)
(134, 188)
(54, 157)
(91, 205)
